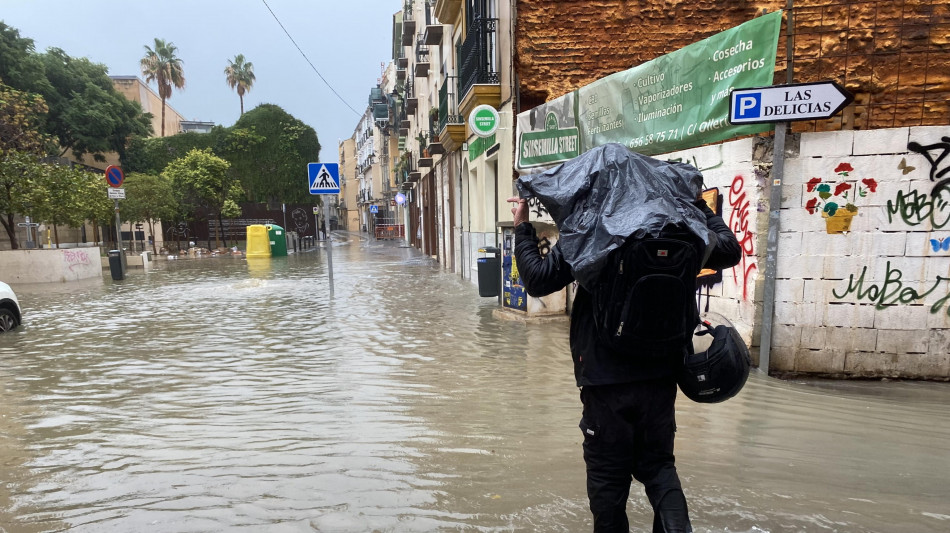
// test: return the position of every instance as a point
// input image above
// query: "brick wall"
(891, 53)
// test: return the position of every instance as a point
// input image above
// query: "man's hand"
(520, 211)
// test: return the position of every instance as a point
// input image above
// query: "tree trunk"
(163, 117)
(56, 234)
(224, 236)
(151, 231)
(11, 231)
(241, 96)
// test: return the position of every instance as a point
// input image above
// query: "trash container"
(116, 264)
(489, 272)
(257, 243)
(278, 241)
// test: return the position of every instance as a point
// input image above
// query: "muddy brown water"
(218, 394)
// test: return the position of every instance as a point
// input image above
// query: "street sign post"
(114, 178)
(324, 178)
(781, 104)
(787, 103)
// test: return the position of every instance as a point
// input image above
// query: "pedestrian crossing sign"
(324, 178)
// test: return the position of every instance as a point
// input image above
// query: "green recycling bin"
(278, 241)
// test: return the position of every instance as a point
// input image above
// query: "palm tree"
(161, 65)
(240, 75)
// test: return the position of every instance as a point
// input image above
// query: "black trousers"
(628, 433)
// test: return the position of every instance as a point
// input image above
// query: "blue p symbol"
(748, 105)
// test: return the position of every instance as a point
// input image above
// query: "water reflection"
(215, 394)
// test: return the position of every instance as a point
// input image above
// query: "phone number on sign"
(652, 138)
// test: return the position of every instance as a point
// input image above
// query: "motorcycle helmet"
(719, 370)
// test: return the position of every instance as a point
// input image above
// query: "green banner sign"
(676, 101)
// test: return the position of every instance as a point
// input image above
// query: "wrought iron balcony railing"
(479, 55)
(448, 103)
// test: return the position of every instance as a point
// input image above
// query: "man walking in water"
(628, 398)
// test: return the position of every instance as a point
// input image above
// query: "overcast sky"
(345, 40)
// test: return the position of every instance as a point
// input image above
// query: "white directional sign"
(786, 103)
(324, 178)
(117, 193)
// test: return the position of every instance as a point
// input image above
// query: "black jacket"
(594, 363)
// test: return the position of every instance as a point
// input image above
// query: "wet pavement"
(217, 394)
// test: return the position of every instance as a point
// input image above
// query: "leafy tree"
(149, 198)
(240, 76)
(20, 144)
(62, 196)
(162, 66)
(201, 180)
(20, 65)
(87, 114)
(269, 150)
(152, 155)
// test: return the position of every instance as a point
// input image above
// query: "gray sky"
(345, 40)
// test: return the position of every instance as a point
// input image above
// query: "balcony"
(422, 59)
(408, 25)
(400, 74)
(435, 144)
(448, 10)
(433, 32)
(451, 126)
(479, 82)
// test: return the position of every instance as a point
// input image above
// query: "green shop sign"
(676, 101)
(479, 145)
(551, 145)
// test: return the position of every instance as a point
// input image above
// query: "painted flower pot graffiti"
(840, 222)
(835, 199)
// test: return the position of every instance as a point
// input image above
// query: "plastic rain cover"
(603, 196)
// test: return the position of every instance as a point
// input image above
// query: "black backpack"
(645, 299)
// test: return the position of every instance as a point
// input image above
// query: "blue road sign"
(114, 176)
(324, 178)
(374, 209)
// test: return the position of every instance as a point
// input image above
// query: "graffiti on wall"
(913, 208)
(75, 258)
(936, 160)
(894, 291)
(835, 199)
(739, 224)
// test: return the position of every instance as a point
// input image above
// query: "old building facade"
(870, 300)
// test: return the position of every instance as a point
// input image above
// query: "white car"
(10, 316)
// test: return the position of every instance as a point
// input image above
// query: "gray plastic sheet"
(609, 193)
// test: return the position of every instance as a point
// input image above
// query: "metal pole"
(775, 205)
(326, 220)
(118, 227)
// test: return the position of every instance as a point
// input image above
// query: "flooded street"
(216, 394)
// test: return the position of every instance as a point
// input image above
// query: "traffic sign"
(324, 178)
(114, 176)
(374, 209)
(117, 193)
(787, 103)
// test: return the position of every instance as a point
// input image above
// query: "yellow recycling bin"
(258, 241)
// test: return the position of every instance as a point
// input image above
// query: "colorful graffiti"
(739, 224)
(835, 199)
(893, 291)
(913, 208)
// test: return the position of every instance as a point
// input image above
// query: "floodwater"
(215, 394)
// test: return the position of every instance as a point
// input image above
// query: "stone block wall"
(874, 300)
